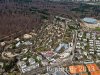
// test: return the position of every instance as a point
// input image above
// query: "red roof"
(84, 74)
(92, 67)
(47, 53)
(77, 69)
(95, 73)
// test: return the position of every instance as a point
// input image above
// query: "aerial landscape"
(49, 37)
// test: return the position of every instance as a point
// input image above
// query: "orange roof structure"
(92, 67)
(72, 69)
(95, 73)
(77, 69)
(84, 74)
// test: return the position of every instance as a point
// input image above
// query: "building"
(92, 67)
(27, 43)
(95, 72)
(77, 69)
(27, 36)
(44, 62)
(83, 74)
(31, 61)
(91, 22)
(84, 70)
(80, 34)
(88, 35)
(78, 45)
(88, 61)
(63, 45)
(23, 67)
(48, 54)
(39, 57)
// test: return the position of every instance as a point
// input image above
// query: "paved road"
(60, 61)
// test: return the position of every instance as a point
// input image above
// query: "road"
(60, 61)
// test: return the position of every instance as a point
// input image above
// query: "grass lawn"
(97, 28)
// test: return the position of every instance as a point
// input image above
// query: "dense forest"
(87, 10)
(21, 16)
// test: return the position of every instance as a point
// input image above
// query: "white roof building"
(2, 43)
(91, 49)
(93, 35)
(27, 36)
(88, 35)
(90, 40)
(84, 40)
(39, 57)
(97, 61)
(85, 53)
(36, 65)
(91, 45)
(62, 45)
(17, 39)
(98, 45)
(98, 51)
(18, 44)
(98, 48)
(26, 68)
(22, 66)
(31, 61)
(78, 45)
(98, 54)
(27, 43)
(44, 62)
(88, 62)
(80, 34)
(91, 52)
(97, 40)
